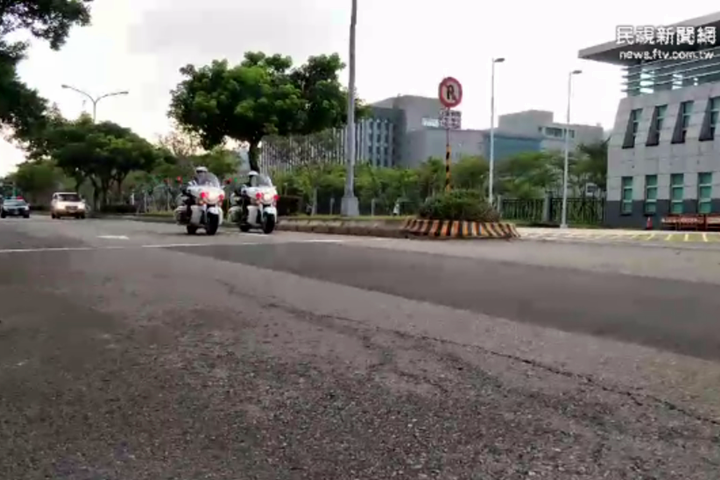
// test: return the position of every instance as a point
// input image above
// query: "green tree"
(37, 180)
(21, 108)
(103, 153)
(221, 162)
(470, 173)
(592, 163)
(528, 175)
(431, 176)
(262, 96)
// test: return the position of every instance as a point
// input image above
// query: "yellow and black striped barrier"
(459, 229)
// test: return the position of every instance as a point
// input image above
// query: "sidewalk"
(612, 235)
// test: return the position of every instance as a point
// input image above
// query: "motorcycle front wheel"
(213, 223)
(191, 229)
(269, 224)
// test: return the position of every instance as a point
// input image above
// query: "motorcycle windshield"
(261, 181)
(208, 180)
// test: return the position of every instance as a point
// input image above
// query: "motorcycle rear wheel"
(191, 229)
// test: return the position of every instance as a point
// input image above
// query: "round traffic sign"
(450, 92)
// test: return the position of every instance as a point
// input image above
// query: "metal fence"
(580, 211)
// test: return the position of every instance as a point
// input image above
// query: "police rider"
(200, 177)
(251, 183)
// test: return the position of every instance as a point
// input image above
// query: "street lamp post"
(94, 100)
(491, 179)
(563, 221)
(349, 206)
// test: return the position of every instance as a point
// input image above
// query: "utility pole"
(349, 206)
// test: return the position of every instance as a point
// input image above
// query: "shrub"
(468, 205)
(119, 209)
(289, 205)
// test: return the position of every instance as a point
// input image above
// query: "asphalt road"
(131, 351)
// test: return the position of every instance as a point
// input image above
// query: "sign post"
(450, 95)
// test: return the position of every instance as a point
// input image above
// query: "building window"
(627, 195)
(676, 193)
(711, 120)
(650, 194)
(685, 114)
(554, 132)
(714, 111)
(656, 127)
(631, 133)
(704, 192)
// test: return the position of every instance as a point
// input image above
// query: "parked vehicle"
(255, 205)
(67, 204)
(15, 207)
(201, 202)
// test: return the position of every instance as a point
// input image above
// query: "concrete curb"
(407, 228)
(400, 228)
(369, 228)
(460, 229)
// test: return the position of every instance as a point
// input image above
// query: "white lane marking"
(114, 237)
(48, 249)
(160, 245)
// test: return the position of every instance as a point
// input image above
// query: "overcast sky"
(403, 47)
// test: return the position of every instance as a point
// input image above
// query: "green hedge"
(289, 205)
(119, 209)
(468, 205)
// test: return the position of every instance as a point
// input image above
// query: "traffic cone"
(648, 224)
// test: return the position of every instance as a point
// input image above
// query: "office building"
(541, 123)
(406, 131)
(664, 151)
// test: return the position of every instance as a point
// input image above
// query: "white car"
(67, 204)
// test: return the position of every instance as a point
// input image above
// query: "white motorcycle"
(262, 198)
(205, 199)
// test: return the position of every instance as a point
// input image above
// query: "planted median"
(456, 214)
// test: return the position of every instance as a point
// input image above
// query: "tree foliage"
(22, 110)
(37, 180)
(528, 175)
(263, 95)
(459, 204)
(103, 153)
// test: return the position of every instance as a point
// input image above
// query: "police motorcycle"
(201, 203)
(255, 204)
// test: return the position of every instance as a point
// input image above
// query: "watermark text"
(657, 54)
(657, 35)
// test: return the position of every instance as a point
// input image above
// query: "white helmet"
(252, 173)
(201, 170)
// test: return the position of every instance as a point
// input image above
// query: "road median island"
(408, 227)
(387, 227)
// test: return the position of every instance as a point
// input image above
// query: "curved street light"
(491, 179)
(563, 220)
(95, 100)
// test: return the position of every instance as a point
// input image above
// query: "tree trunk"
(254, 156)
(96, 191)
